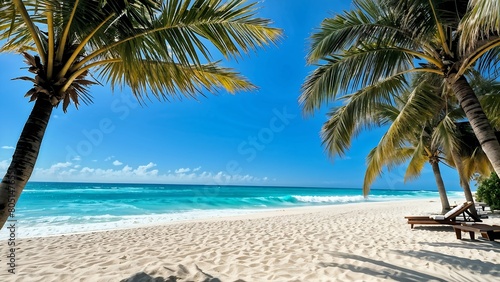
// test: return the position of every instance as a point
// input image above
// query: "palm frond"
(180, 30)
(477, 162)
(422, 104)
(15, 34)
(491, 106)
(481, 22)
(353, 70)
(417, 161)
(444, 135)
(488, 92)
(487, 64)
(169, 79)
(379, 22)
(361, 111)
(376, 162)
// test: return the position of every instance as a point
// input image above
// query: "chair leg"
(472, 237)
(488, 235)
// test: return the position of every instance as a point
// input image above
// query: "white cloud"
(143, 170)
(60, 165)
(8, 147)
(127, 169)
(4, 165)
(109, 158)
(146, 173)
(77, 158)
(182, 170)
(87, 170)
(54, 169)
(117, 162)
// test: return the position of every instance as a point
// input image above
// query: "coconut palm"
(416, 143)
(439, 136)
(469, 158)
(373, 48)
(157, 48)
(446, 137)
(434, 139)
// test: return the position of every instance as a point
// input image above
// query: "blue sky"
(251, 138)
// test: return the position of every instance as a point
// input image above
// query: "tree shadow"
(481, 245)
(144, 277)
(472, 265)
(390, 270)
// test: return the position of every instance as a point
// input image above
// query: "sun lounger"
(489, 232)
(455, 216)
(481, 205)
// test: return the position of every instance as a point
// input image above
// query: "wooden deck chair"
(449, 218)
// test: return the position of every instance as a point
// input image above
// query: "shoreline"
(51, 209)
(245, 214)
(359, 241)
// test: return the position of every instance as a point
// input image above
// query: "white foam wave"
(329, 199)
(57, 225)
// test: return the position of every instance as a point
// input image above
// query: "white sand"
(355, 242)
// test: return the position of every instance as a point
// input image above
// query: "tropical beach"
(53, 208)
(362, 144)
(350, 242)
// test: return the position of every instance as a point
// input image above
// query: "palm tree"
(446, 137)
(416, 152)
(438, 136)
(151, 46)
(469, 158)
(373, 48)
(416, 142)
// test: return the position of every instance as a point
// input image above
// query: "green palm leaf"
(356, 69)
(376, 161)
(168, 78)
(481, 22)
(361, 111)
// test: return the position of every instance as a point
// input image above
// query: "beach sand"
(352, 242)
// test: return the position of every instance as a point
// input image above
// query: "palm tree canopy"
(380, 40)
(151, 46)
(366, 57)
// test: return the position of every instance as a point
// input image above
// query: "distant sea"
(46, 209)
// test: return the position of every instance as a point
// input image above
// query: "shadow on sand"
(478, 244)
(439, 228)
(459, 262)
(399, 273)
(144, 277)
(390, 271)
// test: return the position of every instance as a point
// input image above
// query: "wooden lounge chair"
(455, 216)
(489, 232)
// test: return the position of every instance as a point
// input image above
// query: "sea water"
(46, 209)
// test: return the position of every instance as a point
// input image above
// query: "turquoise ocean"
(46, 209)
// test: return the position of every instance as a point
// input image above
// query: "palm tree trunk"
(478, 120)
(24, 158)
(445, 205)
(464, 181)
